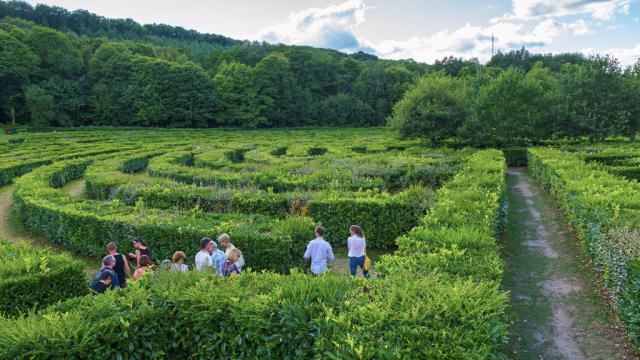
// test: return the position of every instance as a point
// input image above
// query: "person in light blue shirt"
(319, 251)
(218, 258)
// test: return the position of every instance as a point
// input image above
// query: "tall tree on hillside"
(17, 64)
(596, 104)
(61, 75)
(275, 83)
(110, 70)
(237, 91)
(399, 79)
(167, 94)
(371, 88)
(40, 105)
(515, 106)
(57, 54)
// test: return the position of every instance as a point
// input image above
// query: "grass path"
(76, 188)
(12, 230)
(559, 312)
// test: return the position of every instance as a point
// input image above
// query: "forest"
(61, 68)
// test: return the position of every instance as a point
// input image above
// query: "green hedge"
(605, 212)
(452, 311)
(33, 278)
(459, 234)
(86, 226)
(185, 316)
(384, 216)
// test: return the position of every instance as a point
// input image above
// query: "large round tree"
(433, 110)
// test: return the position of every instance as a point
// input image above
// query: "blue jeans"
(354, 263)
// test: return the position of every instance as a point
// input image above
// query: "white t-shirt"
(356, 245)
(203, 260)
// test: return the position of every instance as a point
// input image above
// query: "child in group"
(357, 246)
(145, 266)
(229, 268)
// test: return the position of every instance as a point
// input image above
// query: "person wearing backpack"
(357, 246)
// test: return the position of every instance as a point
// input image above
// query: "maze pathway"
(13, 231)
(558, 311)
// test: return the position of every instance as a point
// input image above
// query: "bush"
(33, 278)
(281, 151)
(433, 110)
(316, 151)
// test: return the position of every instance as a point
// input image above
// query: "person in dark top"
(106, 278)
(141, 248)
(108, 262)
(121, 267)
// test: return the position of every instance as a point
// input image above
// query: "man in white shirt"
(225, 240)
(203, 257)
(319, 251)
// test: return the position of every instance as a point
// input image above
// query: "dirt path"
(76, 188)
(559, 313)
(12, 230)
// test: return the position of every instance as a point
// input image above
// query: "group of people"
(321, 253)
(115, 270)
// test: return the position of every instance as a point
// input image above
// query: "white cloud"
(532, 24)
(626, 56)
(470, 41)
(579, 28)
(603, 10)
(329, 27)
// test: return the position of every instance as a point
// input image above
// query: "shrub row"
(13, 169)
(605, 212)
(458, 236)
(384, 216)
(350, 172)
(434, 315)
(33, 278)
(86, 226)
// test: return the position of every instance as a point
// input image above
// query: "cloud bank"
(530, 23)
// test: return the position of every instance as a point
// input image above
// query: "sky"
(423, 30)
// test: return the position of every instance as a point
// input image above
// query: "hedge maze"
(439, 211)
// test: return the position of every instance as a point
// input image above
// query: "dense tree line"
(61, 68)
(82, 69)
(519, 97)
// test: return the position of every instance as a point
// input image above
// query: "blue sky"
(423, 30)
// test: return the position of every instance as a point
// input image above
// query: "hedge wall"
(32, 278)
(384, 216)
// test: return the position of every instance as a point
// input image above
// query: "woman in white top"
(357, 246)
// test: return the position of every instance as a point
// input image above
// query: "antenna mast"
(492, 45)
